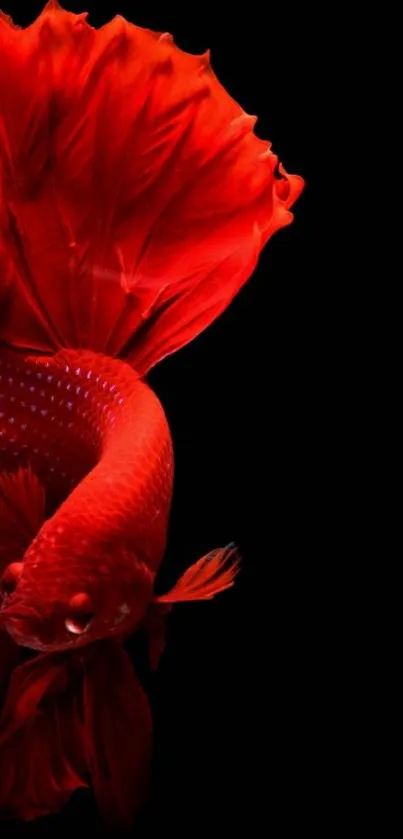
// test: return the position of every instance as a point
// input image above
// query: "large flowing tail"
(72, 721)
(134, 196)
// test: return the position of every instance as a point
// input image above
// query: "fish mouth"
(28, 629)
(20, 622)
(14, 612)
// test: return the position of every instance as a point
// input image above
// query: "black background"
(238, 699)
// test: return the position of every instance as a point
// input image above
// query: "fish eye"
(80, 614)
(79, 623)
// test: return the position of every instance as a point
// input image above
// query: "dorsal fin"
(135, 197)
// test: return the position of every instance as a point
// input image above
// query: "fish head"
(67, 595)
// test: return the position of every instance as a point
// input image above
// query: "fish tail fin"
(118, 733)
(209, 576)
(74, 720)
(125, 240)
(42, 758)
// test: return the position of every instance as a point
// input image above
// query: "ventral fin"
(22, 513)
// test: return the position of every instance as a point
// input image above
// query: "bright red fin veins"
(209, 576)
(135, 197)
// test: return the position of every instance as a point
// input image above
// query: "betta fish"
(135, 199)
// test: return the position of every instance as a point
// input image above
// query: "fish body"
(135, 199)
(97, 438)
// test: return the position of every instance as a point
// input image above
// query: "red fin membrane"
(69, 719)
(135, 197)
(118, 733)
(22, 513)
(209, 576)
(155, 626)
(9, 658)
(41, 743)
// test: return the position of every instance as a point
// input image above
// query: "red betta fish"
(135, 199)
